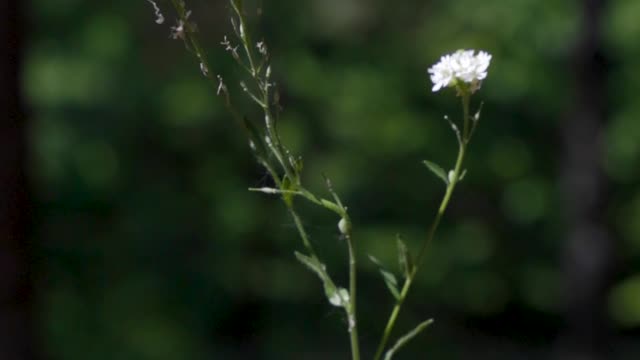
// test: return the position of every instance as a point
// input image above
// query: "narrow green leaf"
(404, 257)
(333, 193)
(388, 277)
(336, 297)
(391, 282)
(311, 263)
(375, 260)
(406, 338)
(437, 170)
(332, 206)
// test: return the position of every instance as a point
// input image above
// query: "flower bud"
(344, 226)
(451, 175)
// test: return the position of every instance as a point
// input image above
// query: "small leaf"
(375, 260)
(333, 193)
(311, 263)
(406, 338)
(464, 172)
(332, 206)
(388, 277)
(404, 257)
(336, 297)
(437, 170)
(391, 282)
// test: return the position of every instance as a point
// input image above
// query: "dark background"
(127, 231)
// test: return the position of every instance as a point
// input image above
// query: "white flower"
(461, 66)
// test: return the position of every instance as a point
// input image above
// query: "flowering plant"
(463, 70)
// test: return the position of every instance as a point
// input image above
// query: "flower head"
(461, 66)
(180, 30)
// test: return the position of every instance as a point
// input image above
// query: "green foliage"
(151, 247)
(335, 295)
(437, 171)
(405, 262)
(388, 277)
(406, 338)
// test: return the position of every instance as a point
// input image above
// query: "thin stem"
(351, 310)
(432, 231)
(263, 86)
(443, 206)
(465, 110)
(244, 35)
(352, 313)
(394, 315)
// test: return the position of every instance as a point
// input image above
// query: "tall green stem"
(432, 229)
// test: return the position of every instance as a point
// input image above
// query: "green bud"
(344, 226)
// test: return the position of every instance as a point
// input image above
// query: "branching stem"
(289, 184)
(432, 229)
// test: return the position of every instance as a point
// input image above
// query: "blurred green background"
(151, 247)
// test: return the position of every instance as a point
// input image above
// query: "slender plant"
(463, 70)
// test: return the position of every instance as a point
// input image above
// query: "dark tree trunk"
(589, 252)
(16, 320)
